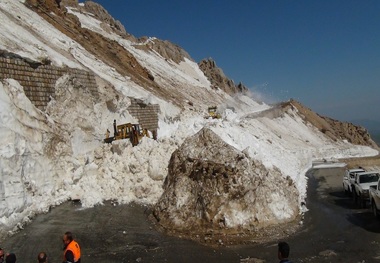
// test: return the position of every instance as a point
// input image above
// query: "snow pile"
(212, 185)
(49, 157)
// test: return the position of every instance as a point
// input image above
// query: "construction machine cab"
(130, 131)
(212, 112)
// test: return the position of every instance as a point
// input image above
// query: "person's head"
(11, 258)
(67, 238)
(42, 257)
(2, 255)
(283, 250)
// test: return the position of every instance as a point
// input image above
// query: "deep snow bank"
(28, 182)
(48, 157)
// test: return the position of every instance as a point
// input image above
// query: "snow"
(32, 33)
(48, 157)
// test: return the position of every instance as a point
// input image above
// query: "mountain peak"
(218, 79)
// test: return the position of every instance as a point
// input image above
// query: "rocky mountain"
(125, 63)
(333, 128)
(68, 70)
(218, 79)
(100, 13)
(119, 58)
(336, 130)
(372, 126)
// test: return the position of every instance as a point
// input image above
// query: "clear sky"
(325, 53)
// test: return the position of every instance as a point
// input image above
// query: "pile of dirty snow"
(212, 185)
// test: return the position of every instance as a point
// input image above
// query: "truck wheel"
(374, 210)
(355, 197)
(353, 192)
(362, 202)
(359, 199)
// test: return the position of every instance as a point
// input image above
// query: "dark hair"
(284, 249)
(42, 256)
(11, 258)
(69, 235)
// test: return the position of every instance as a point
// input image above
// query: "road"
(334, 230)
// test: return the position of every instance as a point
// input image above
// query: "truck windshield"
(369, 178)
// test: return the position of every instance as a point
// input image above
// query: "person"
(42, 257)
(283, 252)
(71, 248)
(1, 255)
(11, 258)
(114, 129)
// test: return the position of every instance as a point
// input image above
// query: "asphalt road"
(334, 230)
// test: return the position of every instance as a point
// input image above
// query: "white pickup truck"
(374, 199)
(349, 179)
(363, 181)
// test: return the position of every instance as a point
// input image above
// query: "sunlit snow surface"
(49, 157)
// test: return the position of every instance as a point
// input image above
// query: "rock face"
(213, 186)
(51, 4)
(104, 16)
(335, 129)
(218, 79)
(73, 3)
(166, 49)
(98, 11)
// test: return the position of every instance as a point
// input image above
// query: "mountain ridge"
(175, 53)
(124, 62)
(371, 125)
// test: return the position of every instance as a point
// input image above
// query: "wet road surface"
(334, 230)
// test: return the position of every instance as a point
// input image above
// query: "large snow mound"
(212, 185)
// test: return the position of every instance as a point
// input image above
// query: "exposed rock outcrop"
(72, 3)
(98, 11)
(213, 186)
(218, 79)
(102, 14)
(109, 51)
(336, 130)
(166, 49)
(50, 4)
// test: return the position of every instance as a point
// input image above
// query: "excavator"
(130, 131)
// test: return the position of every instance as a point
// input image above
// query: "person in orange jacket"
(71, 249)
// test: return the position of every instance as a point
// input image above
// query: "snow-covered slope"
(47, 157)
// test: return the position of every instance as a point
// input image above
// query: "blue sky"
(325, 53)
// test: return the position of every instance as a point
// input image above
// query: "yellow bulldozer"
(130, 131)
(212, 112)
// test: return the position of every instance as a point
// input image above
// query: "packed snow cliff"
(50, 156)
